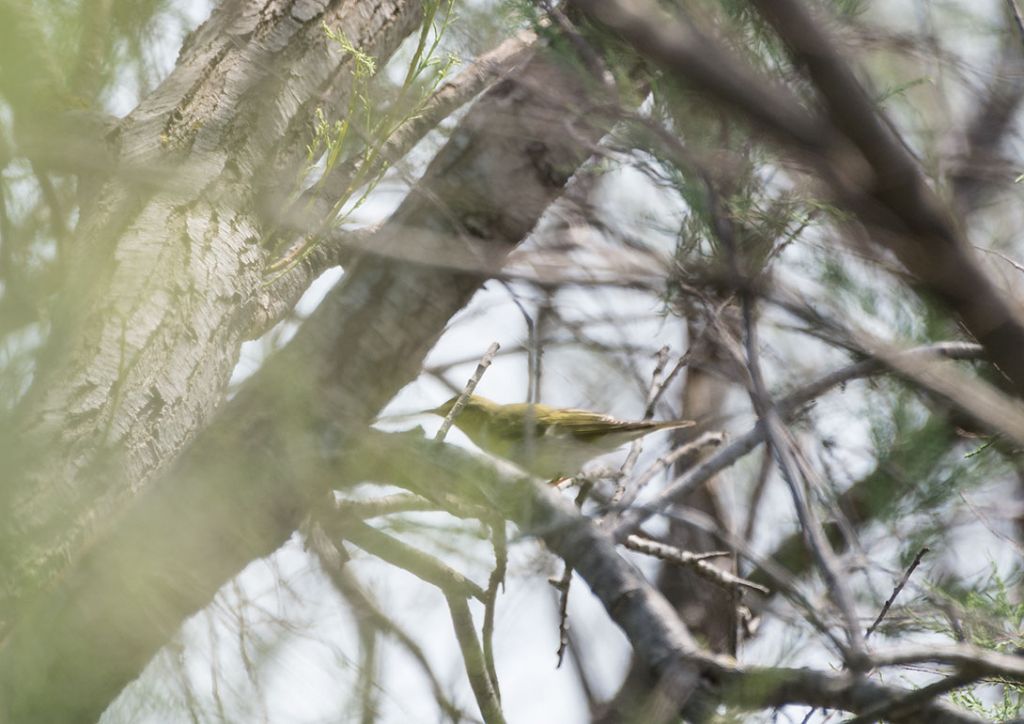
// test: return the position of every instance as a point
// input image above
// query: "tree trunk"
(167, 266)
(244, 484)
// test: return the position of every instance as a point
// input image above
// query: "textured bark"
(167, 266)
(708, 610)
(242, 487)
(337, 248)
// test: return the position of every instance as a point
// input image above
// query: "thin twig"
(663, 384)
(532, 345)
(966, 658)
(754, 504)
(500, 543)
(584, 677)
(402, 555)
(656, 384)
(623, 496)
(563, 584)
(1012, 262)
(918, 695)
(538, 344)
(637, 446)
(911, 700)
(473, 658)
(367, 633)
(788, 408)
(332, 558)
(590, 56)
(789, 465)
(386, 505)
(471, 384)
(708, 439)
(896, 591)
(694, 561)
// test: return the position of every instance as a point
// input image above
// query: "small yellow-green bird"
(563, 438)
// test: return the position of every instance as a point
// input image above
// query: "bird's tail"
(672, 424)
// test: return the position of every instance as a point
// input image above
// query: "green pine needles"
(348, 156)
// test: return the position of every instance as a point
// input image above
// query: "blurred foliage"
(991, 615)
(62, 65)
(369, 121)
(721, 180)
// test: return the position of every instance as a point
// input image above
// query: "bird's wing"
(510, 421)
(553, 421)
(586, 425)
(580, 424)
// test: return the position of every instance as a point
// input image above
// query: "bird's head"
(474, 403)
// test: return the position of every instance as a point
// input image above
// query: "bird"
(563, 439)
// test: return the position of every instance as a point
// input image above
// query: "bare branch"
(756, 688)
(467, 391)
(499, 543)
(706, 440)
(658, 637)
(470, 81)
(637, 445)
(425, 567)
(386, 505)
(694, 561)
(788, 407)
(858, 153)
(911, 701)
(476, 669)
(788, 459)
(896, 591)
(967, 659)
(332, 559)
